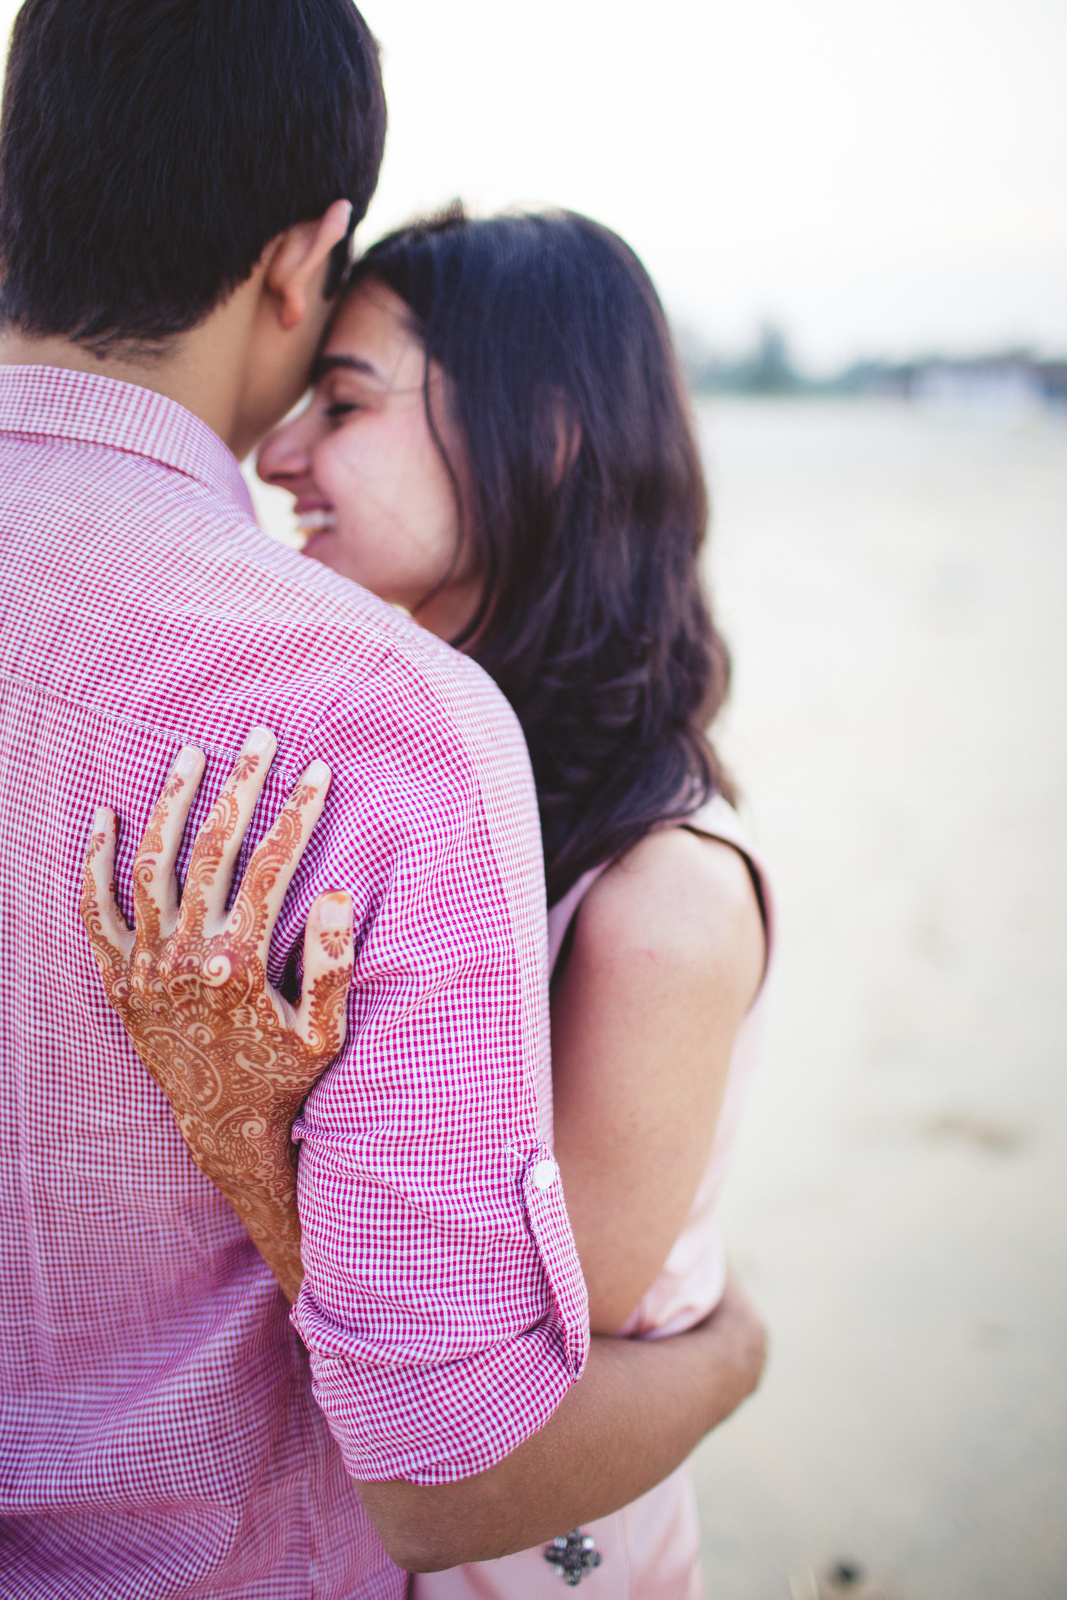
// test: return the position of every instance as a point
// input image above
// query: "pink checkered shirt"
(163, 1430)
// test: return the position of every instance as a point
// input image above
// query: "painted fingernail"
(187, 762)
(258, 742)
(317, 773)
(336, 912)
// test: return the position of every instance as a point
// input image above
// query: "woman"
(498, 441)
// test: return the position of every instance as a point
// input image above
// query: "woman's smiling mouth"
(314, 519)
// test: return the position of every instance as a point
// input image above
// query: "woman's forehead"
(372, 333)
(370, 309)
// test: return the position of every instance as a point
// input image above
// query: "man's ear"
(296, 258)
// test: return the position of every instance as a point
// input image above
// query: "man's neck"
(203, 370)
(163, 374)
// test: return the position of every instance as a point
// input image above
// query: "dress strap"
(563, 913)
(717, 819)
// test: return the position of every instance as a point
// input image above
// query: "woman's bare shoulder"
(680, 902)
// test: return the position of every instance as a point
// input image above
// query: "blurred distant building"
(1012, 381)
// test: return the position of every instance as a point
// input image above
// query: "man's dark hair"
(151, 149)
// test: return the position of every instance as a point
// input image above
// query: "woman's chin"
(326, 549)
(323, 546)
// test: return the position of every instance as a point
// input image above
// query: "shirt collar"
(59, 403)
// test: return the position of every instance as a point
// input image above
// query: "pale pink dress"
(650, 1550)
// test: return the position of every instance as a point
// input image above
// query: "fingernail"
(336, 912)
(318, 772)
(187, 762)
(258, 742)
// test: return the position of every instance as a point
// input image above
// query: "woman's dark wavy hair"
(585, 500)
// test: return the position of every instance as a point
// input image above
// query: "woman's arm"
(667, 957)
(638, 1411)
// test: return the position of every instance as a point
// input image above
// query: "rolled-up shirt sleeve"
(443, 1306)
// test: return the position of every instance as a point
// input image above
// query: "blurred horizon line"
(1004, 375)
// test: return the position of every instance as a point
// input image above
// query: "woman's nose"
(285, 458)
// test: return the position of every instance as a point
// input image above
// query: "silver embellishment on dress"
(574, 1557)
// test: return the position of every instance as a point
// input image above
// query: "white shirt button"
(544, 1174)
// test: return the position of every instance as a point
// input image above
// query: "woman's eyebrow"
(325, 364)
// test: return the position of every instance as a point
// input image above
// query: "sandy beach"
(894, 583)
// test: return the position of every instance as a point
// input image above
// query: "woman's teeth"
(314, 521)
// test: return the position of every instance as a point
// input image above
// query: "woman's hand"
(234, 1059)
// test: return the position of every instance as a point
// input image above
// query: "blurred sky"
(879, 178)
(876, 176)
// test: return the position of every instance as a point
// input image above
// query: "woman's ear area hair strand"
(565, 431)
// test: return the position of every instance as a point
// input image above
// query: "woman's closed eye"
(342, 408)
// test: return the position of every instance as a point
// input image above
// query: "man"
(178, 181)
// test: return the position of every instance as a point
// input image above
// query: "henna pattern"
(232, 1057)
(335, 944)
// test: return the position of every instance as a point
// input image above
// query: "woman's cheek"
(369, 470)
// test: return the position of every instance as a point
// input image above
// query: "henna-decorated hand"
(234, 1059)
